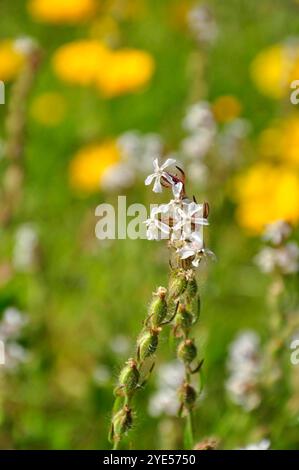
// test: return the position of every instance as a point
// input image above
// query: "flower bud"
(121, 422)
(129, 376)
(183, 318)
(148, 343)
(187, 395)
(187, 351)
(177, 284)
(158, 307)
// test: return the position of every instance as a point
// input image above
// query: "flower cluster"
(181, 220)
(11, 326)
(281, 256)
(244, 366)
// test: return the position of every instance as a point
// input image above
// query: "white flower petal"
(177, 189)
(168, 162)
(157, 186)
(149, 179)
(187, 253)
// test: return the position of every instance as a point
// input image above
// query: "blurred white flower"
(15, 354)
(25, 45)
(120, 344)
(165, 400)
(26, 245)
(198, 116)
(264, 444)
(11, 323)
(284, 258)
(139, 150)
(117, 177)
(197, 145)
(197, 172)
(277, 232)
(202, 24)
(244, 367)
(102, 375)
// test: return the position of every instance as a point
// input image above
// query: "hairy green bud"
(187, 351)
(191, 289)
(148, 343)
(158, 307)
(122, 422)
(183, 318)
(187, 395)
(177, 284)
(129, 376)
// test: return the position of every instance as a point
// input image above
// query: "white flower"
(156, 228)
(159, 172)
(189, 216)
(277, 232)
(192, 248)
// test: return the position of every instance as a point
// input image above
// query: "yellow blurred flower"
(49, 108)
(62, 11)
(275, 68)
(281, 141)
(11, 60)
(114, 72)
(90, 164)
(226, 108)
(128, 70)
(78, 62)
(266, 193)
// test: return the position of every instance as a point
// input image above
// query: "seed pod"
(187, 395)
(121, 422)
(187, 351)
(192, 288)
(183, 318)
(177, 284)
(158, 307)
(148, 343)
(129, 376)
